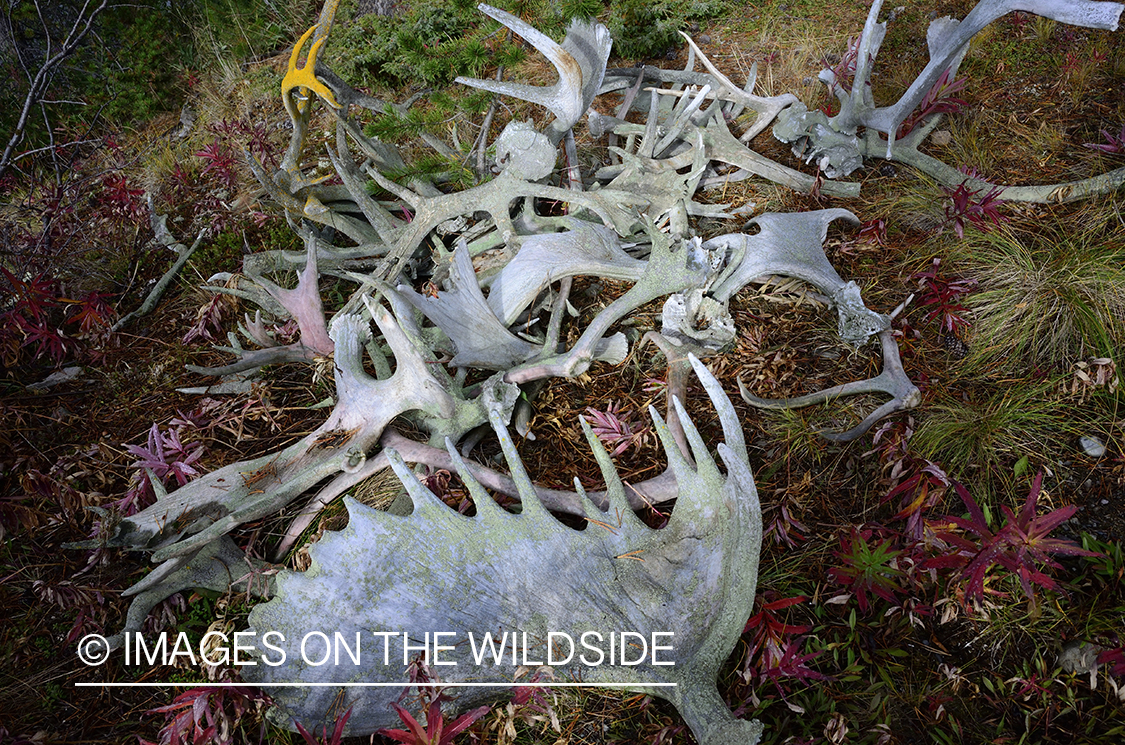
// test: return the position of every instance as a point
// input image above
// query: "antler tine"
(528, 497)
(728, 417)
(424, 500)
(487, 509)
(616, 497)
(892, 381)
(1086, 13)
(767, 108)
(570, 97)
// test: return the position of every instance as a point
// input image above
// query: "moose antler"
(791, 245)
(586, 249)
(529, 575)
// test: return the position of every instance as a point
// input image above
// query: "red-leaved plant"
(775, 654)
(618, 430)
(209, 714)
(941, 297)
(435, 731)
(869, 567)
(165, 457)
(939, 99)
(1021, 545)
(328, 739)
(1114, 143)
(969, 208)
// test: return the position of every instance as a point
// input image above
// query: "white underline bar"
(536, 684)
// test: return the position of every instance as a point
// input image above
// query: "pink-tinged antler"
(303, 303)
(213, 505)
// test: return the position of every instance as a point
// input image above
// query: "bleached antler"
(892, 381)
(833, 143)
(792, 245)
(580, 61)
(209, 507)
(528, 574)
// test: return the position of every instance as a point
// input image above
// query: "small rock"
(941, 138)
(705, 39)
(1080, 657)
(1092, 446)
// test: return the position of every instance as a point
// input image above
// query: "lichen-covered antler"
(691, 582)
(838, 149)
(672, 266)
(584, 250)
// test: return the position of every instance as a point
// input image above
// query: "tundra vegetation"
(249, 277)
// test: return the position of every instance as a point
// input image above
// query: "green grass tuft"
(977, 434)
(1047, 296)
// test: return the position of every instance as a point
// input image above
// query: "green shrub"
(643, 28)
(430, 43)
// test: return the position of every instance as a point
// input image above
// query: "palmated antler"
(303, 304)
(584, 250)
(792, 245)
(892, 381)
(495, 197)
(672, 266)
(529, 575)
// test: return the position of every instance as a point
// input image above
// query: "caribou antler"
(580, 61)
(303, 304)
(213, 505)
(834, 144)
(892, 381)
